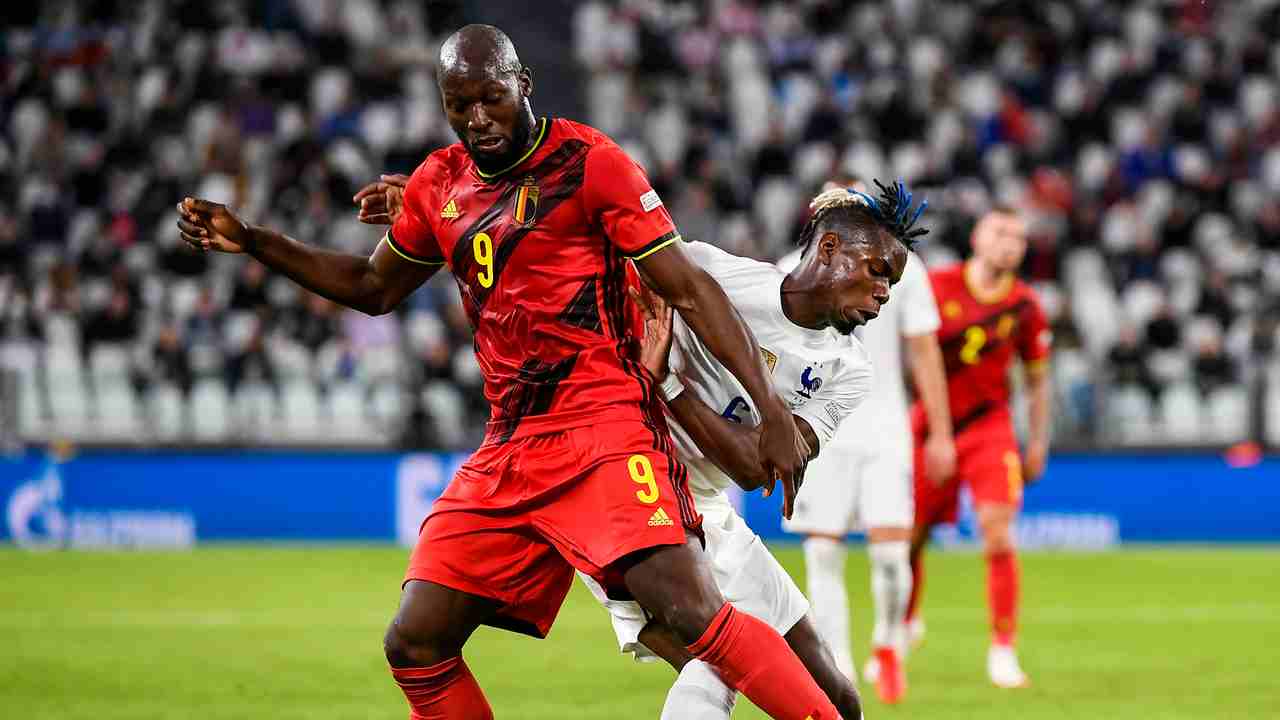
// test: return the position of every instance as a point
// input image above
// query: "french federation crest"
(769, 359)
(526, 208)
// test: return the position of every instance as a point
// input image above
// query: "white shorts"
(848, 490)
(747, 573)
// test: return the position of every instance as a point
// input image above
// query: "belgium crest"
(526, 208)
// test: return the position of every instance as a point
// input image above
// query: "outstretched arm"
(374, 284)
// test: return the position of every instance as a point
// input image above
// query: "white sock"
(891, 590)
(824, 578)
(699, 694)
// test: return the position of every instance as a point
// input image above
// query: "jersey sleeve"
(1036, 339)
(835, 400)
(618, 194)
(411, 237)
(919, 307)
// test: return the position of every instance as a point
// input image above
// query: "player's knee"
(690, 616)
(406, 646)
(998, 540)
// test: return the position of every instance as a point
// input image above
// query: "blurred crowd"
(1141, 138)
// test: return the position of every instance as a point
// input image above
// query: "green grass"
(295, 632)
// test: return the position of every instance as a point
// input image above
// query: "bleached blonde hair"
(891, 211)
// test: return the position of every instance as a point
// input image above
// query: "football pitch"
(295, 632)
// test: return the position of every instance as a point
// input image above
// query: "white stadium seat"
(166, 412)
(1129, 415)
(300, 404)
(1227, 415)
(210, 411)
(109, 362)
(350, 421)
(118, 416)
(446, 407)
(1181, 413)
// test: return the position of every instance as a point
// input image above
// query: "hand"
(784, 454)
(655, 346)
(1034, 461)
(939, 458)
(381, 202)
(208, 225)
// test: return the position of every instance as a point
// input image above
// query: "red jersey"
(539, 254)
(979, 337)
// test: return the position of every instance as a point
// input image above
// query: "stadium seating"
(1139, 138)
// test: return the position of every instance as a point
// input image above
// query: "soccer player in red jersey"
(989, 317)
(536, 218)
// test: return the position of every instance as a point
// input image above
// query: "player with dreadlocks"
(856, 247)
(862, 481)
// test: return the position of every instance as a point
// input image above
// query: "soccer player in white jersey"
(855, 248)
(862, 480)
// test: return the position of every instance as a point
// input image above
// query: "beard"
(490, 163)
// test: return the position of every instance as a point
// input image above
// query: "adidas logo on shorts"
(660, 518)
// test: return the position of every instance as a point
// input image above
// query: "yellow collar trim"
(987, 297)
(542, 135)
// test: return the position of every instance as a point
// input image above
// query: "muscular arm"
(929, 375)
(706, 309)
(373, 285)
(732, 446)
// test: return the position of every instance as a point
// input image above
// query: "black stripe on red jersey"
(657, 244)
(559, 177)
(613, 292)
(972, 416)
(535, 390)
(583, 310)
(403, 252)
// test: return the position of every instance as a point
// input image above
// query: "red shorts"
(518, 517)
(987, 461)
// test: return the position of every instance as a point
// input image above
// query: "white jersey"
(881, 423)
(822, 374)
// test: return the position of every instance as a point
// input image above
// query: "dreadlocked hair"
(891, 211)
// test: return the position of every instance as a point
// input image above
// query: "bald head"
(485, 93)
(478, 49)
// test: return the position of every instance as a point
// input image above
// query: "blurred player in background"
(536, 220)
(863, 479)
(989, 317)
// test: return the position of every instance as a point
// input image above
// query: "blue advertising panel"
(1090, 501)
(171, 499)
(174, 499)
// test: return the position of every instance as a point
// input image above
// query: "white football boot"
(1003, 668)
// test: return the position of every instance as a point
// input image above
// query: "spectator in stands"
(1067, 109)
(1163, 331)
(170, 362)
(1213, 369)
(116, 323)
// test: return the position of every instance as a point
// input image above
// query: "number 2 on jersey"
(642, 473)
(483, 247)
(974, 338)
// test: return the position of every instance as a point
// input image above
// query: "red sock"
(917, 585)
(446, 690)
(754, 660)
(1002, 596)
